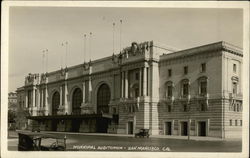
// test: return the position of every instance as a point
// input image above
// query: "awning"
(70, 117)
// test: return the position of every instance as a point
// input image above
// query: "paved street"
(102, 142)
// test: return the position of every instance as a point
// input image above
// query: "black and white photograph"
(125, 79)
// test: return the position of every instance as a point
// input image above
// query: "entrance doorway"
(75, 125)
(184, 128)
(102, 125)
(202, 128)
(54, 125)
(168, 128)
(130, 127)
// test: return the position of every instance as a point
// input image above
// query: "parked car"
(31, 141)
(142, 133)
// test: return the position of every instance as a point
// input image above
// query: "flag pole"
(84, 51)
(47, 59)
(66, 55)
(90, 40)
(113, 38)
(120, 35)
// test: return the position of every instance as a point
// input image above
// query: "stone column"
(38, 98)
(26, 99)
(145, 81)
(38, 101)
(83, 93)
(33, 97)
(41, 98)
(34, 108)
(61, 97)
(47, 109)
(126, 84)
(90, 90)
(122, 84)
(140, 82)
(66, 104)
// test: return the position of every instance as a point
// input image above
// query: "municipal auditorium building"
(195, 92)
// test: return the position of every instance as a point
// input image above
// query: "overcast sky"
(33, 29)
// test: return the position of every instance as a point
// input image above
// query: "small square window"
(137, 76)
(169, 72)
(234, 68)
(203, 67)
(230, 122)
(185, 70)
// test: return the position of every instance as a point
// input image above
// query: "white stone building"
(170, 92)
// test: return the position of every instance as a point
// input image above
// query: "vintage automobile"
(31, 141)
(142, 133)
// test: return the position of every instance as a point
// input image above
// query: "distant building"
(197, 91)
(12, 101)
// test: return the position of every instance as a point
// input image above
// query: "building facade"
(195, 92)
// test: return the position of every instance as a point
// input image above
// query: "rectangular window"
(230, 122)
(185, 89)
(234, 68)
(203, 87)
(236, 123)
(169, 91)
(185, 70)
(203, 67)
(234, 88)
(240, 122)
(169, 72)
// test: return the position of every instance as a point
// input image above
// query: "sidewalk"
(196, 138)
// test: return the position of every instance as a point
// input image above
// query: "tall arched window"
(103, 99)
(55, 103)
(169, 89)
(185, 88)
(77, 101)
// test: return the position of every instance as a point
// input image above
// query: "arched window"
(185, 88)
(169, 89)
(76, 101)
(103, 99)
(55, 103)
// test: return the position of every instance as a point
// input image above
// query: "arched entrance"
(55, 106)
(103, 99)
(76, 109)
(76, 101)
(55, 103)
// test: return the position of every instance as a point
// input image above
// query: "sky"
(34, 29)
